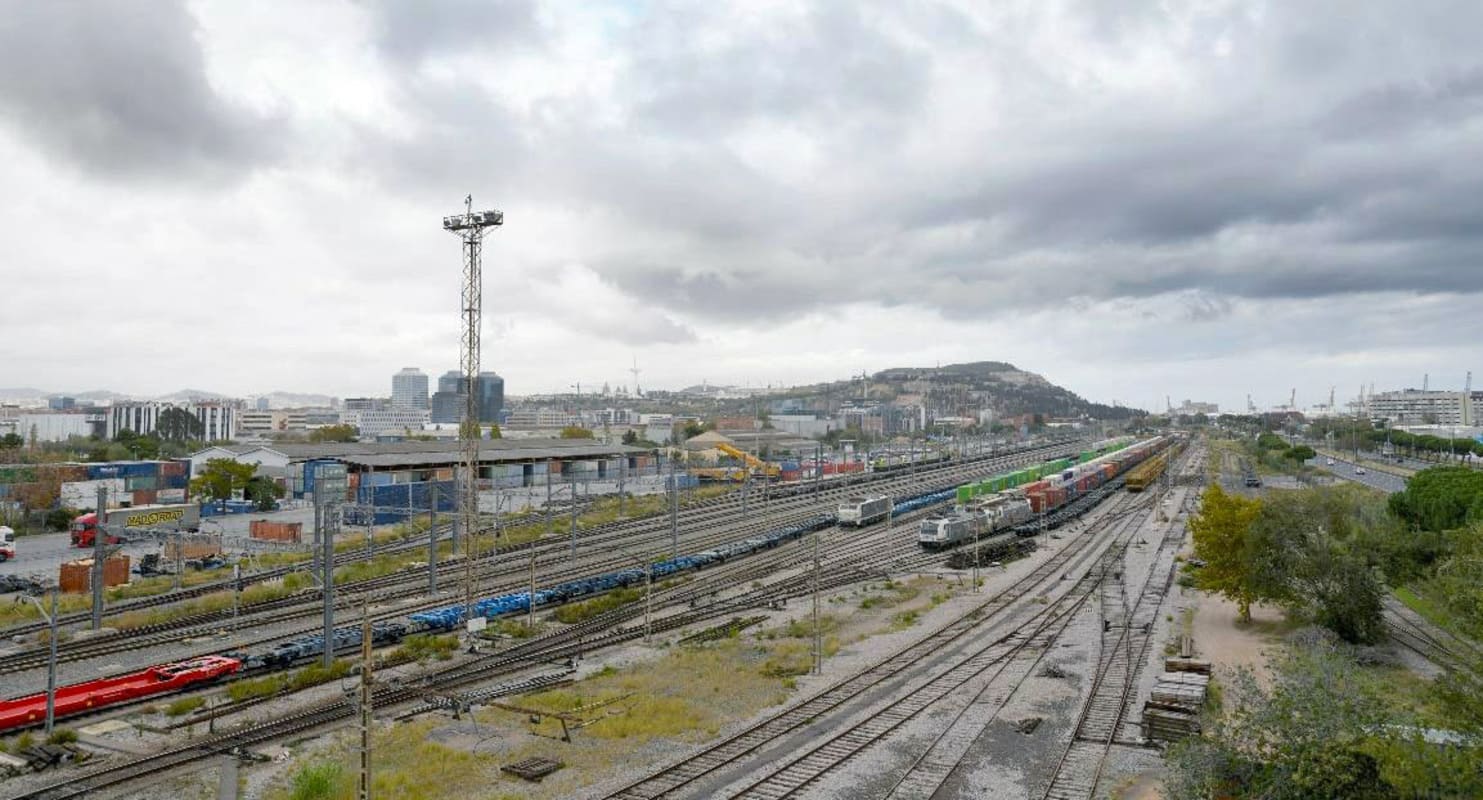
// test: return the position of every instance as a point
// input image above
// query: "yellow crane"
(757, 465)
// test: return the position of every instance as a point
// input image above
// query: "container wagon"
(88, 696)
(857, 512)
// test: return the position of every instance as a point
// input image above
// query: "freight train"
(1009, 500)
(857, 512)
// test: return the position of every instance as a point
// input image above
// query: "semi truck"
(182, 516)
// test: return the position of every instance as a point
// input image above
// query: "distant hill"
(297, 400)
(962, 390)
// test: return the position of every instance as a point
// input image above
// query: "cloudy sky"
(1197, 198)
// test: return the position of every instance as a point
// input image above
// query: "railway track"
(856, 556)
(670, 780)
(1104, 719)
(402, 585)
(605, 630)
(1011, 655)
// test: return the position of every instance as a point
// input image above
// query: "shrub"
(62, 736)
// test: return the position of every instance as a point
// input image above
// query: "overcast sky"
(1200, 199)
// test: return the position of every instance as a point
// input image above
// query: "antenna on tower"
(1331, 399)
(470, 227)
(1292, 400)
(637, 392)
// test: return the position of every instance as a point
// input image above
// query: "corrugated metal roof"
(390, 454)
(452, 455)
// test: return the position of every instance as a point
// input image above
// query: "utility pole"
(818, 633)
(571, 467)
(100, 538)
(622, 474)
(365, 699)
(327, 515)
(470, 227)
(51, 661)
(432, 540)
(674, 510)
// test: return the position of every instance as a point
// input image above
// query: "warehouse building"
(502, 463)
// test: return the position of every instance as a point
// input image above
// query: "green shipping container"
(965, 493)
(140, 483)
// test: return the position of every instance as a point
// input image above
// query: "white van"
(7, 543)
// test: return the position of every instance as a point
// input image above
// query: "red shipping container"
(144, 497)
(172, 468)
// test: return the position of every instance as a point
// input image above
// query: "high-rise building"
(491, 393)
(61, 403)
(409, 389)
(448, 401)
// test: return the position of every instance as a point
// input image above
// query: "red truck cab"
(85, 527)
(7, 543)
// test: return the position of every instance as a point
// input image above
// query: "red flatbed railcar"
(81, 698)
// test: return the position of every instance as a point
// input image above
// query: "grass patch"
(686, 695)
(183, 706)
(270, 685)
(576, 612)
(62, 736)
(408, 766)
(421, 647)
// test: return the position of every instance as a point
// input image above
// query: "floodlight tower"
(470, 228)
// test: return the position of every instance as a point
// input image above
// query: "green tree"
(1220, 531)
(1305, 552)
(1440, 498)
(575, 432)
(1325, 729)
(179, 425)
(334, 433)
(494, 432)
(11, 441)
(691, 429)
(263, 492)
(220, 479)
(630, 437)
(1300, 453)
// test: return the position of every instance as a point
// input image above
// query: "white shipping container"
(84, 494)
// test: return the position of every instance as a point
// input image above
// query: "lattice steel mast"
(470, 228)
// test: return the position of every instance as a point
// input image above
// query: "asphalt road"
(1375, 479)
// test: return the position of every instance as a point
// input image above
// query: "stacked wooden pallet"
(1173, 708)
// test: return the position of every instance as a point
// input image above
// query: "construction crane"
(1168, 404)
(756, 464)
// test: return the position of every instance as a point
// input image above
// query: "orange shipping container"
(266, 530)
(77, 576)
